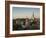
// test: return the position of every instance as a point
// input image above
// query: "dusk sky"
(22, 12)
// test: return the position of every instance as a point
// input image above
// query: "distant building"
(32, 18)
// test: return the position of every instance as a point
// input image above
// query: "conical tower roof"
(32, 16)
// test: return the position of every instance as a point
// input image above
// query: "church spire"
(33, 16)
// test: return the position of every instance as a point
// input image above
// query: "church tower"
(32, 16)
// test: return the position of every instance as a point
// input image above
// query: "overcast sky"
(22, 12)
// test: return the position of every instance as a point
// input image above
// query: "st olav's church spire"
(32, 16)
